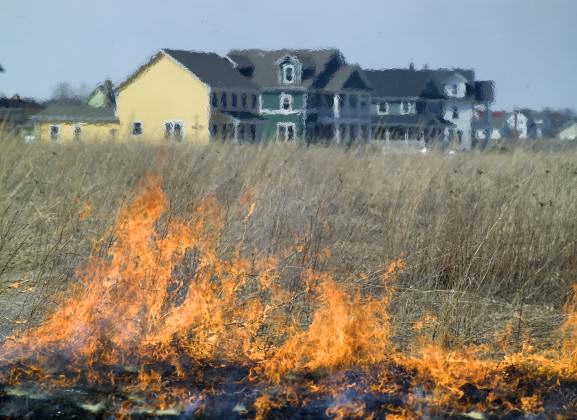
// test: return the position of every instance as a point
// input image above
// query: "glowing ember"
(165, 325)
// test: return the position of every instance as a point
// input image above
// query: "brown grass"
(490, 239)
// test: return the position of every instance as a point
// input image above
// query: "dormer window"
(286, 102)
(288, 73)
(383, 108)
(455, 90)
(406, 107)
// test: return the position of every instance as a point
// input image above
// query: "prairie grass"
(489, 239)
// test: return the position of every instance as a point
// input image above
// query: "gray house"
(308, 94)
(426, 105)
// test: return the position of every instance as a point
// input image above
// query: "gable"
(355, 81)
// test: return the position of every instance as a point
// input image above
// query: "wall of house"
(268, 131)
(463, 123)
(273, 114)
(165, 91)
(88, 131)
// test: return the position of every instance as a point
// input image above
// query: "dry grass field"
(489, 239)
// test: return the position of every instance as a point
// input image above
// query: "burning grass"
(212, 303)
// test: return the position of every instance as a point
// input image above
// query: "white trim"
(286, 125)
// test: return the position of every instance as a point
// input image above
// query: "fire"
(164, 316)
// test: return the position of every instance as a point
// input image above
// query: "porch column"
(235, 131)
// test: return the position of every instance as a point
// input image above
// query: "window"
(253, 132)
(167, 130)
(214, 100)
(455, 90)
(244, 100)
(214, 130)
(173, 130)
(286, 102)
(383, 108)
(406, 107)
(455, 113)
(343, 100)
(254, 101)
(76, 131)
(136, 128)
(288, 73)
(54, 132)
(234, 100)
(285, 132)
(364, 102)
(223, 101)
(177, 133)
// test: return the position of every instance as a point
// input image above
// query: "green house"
(311, 95)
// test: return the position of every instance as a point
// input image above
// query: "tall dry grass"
(489, 239)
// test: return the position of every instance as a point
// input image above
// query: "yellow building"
(67, 121)
(190, 97)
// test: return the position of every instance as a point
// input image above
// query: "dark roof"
(412, 120)
(261, 66)
(212, 69)
(405, 83)
(347, 76)
(75, 112)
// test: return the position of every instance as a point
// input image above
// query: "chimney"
(412, 66)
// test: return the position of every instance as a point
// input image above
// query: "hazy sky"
(527, 46)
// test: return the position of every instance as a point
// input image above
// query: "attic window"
(243, 100)
(455, 90)
(223, 101)
(254, 101)
(288, 73)
(234, 100)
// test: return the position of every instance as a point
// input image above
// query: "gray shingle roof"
(262, 66)
(212, 69)
(347, 76)
(75, 112)
(402, 83)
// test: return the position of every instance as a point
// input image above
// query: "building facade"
(311, 95)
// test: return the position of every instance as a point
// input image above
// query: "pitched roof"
(212, 69)
(261, 65)
(404, 83)
(69, 111)
(347, 76)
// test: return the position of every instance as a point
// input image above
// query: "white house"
(569, 132)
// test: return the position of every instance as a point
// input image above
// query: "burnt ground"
(224, 392)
